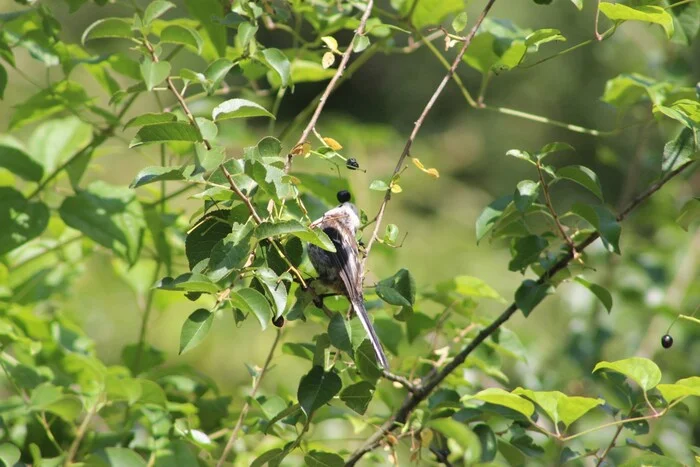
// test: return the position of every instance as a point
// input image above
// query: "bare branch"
(419, 123)
(331, 85)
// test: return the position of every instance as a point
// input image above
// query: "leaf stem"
(246, 406)
(550, 206)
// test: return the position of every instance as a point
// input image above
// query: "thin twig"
(403, 381)
(80, 434)
(246, 406)
(610, 446)
(550, 206)
(598, 36)
(419, 123)
(434, 378)
(331, 85)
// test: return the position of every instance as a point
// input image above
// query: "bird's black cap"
(343, 196)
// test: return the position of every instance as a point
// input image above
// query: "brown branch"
(246, 406)
(434, 378)
(331, 85)
(419, 123)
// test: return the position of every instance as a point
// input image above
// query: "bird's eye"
(343, 196)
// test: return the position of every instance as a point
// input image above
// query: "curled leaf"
(333, 144)
(432, 171)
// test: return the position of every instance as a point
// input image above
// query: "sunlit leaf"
(642, 371)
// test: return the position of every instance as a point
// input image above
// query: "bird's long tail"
(359, 309)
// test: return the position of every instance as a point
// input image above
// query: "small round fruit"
(279, 322)
(666, 341)
(343, 196)
(352, 164)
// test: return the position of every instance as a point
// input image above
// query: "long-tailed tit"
(342, 270)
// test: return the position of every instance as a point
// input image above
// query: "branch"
(246, 406)
(433, 379)
(331, 85)
(419, 123)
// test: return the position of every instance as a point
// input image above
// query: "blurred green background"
(371, 115)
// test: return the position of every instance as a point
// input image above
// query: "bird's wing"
(346, 260)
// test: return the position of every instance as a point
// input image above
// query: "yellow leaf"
(327, 60)
(432, 171)
(333, 144)
(301, 149)
(330, 42)
(396, 188)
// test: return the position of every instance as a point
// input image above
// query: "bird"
(342, 270)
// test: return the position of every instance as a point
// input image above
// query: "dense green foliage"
(220, 227)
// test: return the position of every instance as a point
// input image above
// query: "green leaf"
(600, 292)
(459, 23)
(323, 459)
(163, 132)
(317, 388)
(603, 221)
(558, 406)
(15, 159)
(681, 388)
(627, 89)
(232, 252)
(157, 174)
(358, 396)
(686, 20)
(21, 220)
(239, 108)
(399, 289)
(156, 9)
(366, 362)
(3, 81)
(251, 301)
(195, 329)
(685, 111)
(525, 194)
(340, 333)
(548, 149)
(206, 12)
(9, 454)
(506, 399)
(305, 351)
(151, 119)
(304, 71)
(61, 96)
(208, 231)
(465, 438)
(360, 43)
(378, 185)
(176, 34)
(154, 73)
(469, 286)
(432, 12)
(294, 227)
(543, 36)
(490, 215)
(108, 28)
(679, 150)
(584, 177)
(530, 294)
(188, 282)
(525, 251)
(642, 371)
(690, 214)
(647, 13)
(279, 62)
(117, 457)
(488, 440)
(110, 215)
(274, 289)
(272, 458)
(215, 74)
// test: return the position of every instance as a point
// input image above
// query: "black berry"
(279, 322)
(666, 341)
(343, 196)
(352, 164)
